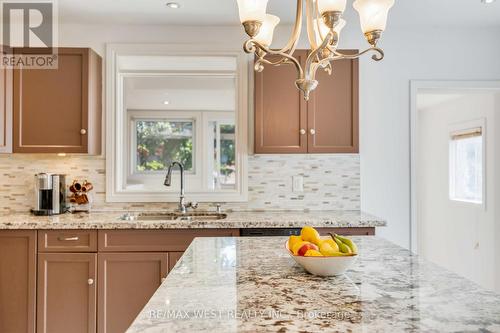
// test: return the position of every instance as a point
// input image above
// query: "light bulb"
(331, 6)
(252, 10)
(265, 35)
(373, 14)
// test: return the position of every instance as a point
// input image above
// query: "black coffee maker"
(50, 194)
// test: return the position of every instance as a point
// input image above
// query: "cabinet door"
(17, 281)
(51, 105)
(126, 283)
(5, 109)
(173, 258)
(333, 110)
(66, 292)
(280, 110)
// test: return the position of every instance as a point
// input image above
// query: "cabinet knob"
(90, 282)
(83, 131)
(312, 131)
(302, 131)
(163, 280)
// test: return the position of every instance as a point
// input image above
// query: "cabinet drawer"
(155, 240)
(67, 241)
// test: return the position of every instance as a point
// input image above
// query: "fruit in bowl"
(323, 256)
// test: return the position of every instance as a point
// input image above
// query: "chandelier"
(324, 23)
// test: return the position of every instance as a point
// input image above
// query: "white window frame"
(117, 158)
(155, 178)
(216, 116)
(464, 127)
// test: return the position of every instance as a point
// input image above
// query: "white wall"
(456, 235)
(497, 198)
(411, 53)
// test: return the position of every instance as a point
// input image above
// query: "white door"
(455, 179)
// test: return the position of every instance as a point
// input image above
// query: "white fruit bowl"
(324, 266)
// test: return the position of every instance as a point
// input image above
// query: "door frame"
(415, 87)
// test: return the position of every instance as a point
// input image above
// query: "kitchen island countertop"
(266, 219)
(252, 285)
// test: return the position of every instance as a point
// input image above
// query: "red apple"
(304, 248)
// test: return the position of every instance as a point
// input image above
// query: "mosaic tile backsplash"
(331, 182)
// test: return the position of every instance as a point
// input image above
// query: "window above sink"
(166, 106)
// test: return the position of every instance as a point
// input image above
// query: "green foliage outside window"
(227, 147)
(161, 142)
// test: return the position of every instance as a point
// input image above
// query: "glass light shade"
(331, 6)
(252, 10)
(373, 13)
(324, 29)
(265, 35)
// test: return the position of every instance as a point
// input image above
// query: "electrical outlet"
(297, 184)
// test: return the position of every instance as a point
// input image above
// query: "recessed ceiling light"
(488, 1)
(166, 102)
(173, 5)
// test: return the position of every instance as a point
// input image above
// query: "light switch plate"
(298, 184)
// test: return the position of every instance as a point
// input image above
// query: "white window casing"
(124, 182)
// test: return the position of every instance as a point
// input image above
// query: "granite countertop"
(252, 285)
(274, 219)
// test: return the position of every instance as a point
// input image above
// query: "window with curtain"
(466, 165)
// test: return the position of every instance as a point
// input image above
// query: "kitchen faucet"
(183, 206)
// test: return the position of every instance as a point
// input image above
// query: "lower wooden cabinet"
(126, 283)
(87, 281)
(17, 281)
(66, 292)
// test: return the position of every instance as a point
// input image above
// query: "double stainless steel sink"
(169, 216)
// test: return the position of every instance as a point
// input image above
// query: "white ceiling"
(465, 13)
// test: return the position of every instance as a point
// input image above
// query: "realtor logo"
(28, 24)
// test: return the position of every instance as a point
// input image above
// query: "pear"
(313, 253)
(327, 250)
(309, 234)
(332, 243)
(344, 248)
(349, 243)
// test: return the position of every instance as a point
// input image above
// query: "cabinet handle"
(90, 282)
(83, 131)
(64, 239)
(312, 131)
(302, 131)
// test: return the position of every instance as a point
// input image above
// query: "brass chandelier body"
(323, 49)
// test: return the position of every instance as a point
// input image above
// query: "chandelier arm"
(294, 38)
(252, 46)
(273, 63)
(379, 54)
(318, 24)
(310, 10)
(325, 63)
(291, 45)
(311, 65)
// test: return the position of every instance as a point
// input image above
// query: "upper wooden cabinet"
(5, 109)
(280, 110)
(59, 110)
(327, 123)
